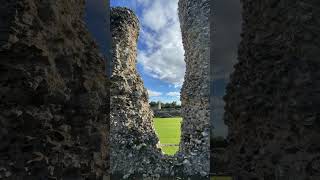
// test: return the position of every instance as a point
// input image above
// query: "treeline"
(165, 105)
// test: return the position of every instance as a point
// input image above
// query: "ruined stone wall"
(133, 138)
(195, 28)
(54, 94)
(272, 101)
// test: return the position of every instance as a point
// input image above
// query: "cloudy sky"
(96, 15)
(226, 28)
(160, 50)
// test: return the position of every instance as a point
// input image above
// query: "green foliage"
(165, 105)
(153, 104)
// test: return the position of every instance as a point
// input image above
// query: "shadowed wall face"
(272, 98)
(54, 93)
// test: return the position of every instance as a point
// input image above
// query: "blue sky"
(160, 50)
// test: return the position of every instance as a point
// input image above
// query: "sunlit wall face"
(160, 60)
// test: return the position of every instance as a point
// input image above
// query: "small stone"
(7, 174)
(204, 134)
(202, 173)
(186, 162)
(126, 176)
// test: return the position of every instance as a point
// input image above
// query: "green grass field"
(168, 131)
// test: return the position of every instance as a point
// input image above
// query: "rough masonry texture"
(133, 140)
(195, 93)
(272, 101)
(54, 94)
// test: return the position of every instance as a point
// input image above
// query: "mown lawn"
(168, 131)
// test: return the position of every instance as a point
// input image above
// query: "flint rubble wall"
(272, 101)
(54, 93)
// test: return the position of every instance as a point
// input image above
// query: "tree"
(153, 104)
(174, 104)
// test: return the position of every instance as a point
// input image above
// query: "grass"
(168, 131)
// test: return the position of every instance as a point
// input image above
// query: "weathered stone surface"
(54, 94)
(272, 101)
(133, 140)
(195, 28)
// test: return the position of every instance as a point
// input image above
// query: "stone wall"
(54, 94)
(272, 101)
(195, 28)
(133, 139)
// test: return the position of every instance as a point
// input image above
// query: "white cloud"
(163, 57)
(154, 93)
(173, 94)
(160, 13)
